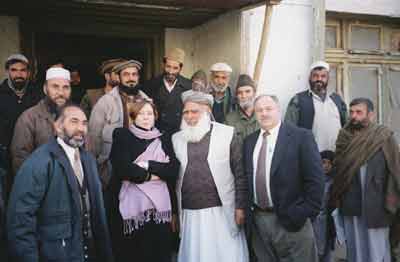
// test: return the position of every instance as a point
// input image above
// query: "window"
(365, 37)
(360, 63)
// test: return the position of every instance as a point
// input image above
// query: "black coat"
(11, 107)
(297, 177)
(169, 105)
(125, 149)
(44, 221)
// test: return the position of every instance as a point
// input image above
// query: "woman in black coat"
(144, 172)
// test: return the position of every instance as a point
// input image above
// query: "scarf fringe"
(133, 224)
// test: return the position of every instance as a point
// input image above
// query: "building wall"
(10, 40)
(183, 39)
(289, 51)
(372, 7)
(218, 40)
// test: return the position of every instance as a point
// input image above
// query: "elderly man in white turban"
(211, 187)
(223, 99)
(35, 126)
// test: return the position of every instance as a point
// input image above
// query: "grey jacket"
(107, 115)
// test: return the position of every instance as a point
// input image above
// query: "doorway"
(87, 52)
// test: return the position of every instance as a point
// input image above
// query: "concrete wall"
(290, 47)
(183, 39)
(10, 40)
(219, 40)
(372, 7)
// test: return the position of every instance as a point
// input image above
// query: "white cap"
(317, 64)
(221, 67)
(56, 72)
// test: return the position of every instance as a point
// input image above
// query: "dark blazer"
(44, 214)
(296, 181)
(169, 105)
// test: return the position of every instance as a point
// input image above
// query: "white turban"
(56, 72)
(197, 97)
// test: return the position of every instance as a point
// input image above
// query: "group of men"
(251, 186)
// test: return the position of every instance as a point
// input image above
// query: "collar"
(168, 86)
(312, 94)
(243, 115)
(69, 150)
(272, 132)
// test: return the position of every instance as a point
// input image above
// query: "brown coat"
(33, 128)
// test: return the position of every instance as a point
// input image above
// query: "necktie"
(261, 180)
(77, 167)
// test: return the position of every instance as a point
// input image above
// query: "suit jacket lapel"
(69, 172)
(280, 147)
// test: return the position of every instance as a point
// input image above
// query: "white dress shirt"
(168, 86)
(70, 152)
(271, 142)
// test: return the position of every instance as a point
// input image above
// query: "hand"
(144, 164)
(240, 217)
(175, 223)
(154, 178)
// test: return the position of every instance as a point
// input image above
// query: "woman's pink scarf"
(139, 203)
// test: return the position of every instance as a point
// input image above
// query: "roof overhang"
(157, 13)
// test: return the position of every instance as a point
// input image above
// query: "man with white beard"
(243, 119)
(223, 99)
(211, 187)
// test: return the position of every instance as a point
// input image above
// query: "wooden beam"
(269, 5)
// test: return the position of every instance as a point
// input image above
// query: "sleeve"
(96, 124)
(28, 191)
(166, 171)
(121, 160)
(292, 111)
(85, 105)
(313, 184)
(236, 163)
(22, 144)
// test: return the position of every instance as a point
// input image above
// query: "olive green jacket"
(243, 125)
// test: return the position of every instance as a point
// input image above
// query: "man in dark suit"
(166, 91)
(285, 175)
(56, 210)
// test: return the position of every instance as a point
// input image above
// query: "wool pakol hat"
(130, 63)
(108, 65)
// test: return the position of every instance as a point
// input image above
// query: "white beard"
(217, 88)
(247, 104)
(194, 134)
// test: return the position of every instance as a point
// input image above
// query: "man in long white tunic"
(211, 188)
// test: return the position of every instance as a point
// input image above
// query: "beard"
(19, 83)
(53, 106)
(113, 82)
(194, 134)
(74, 140)
(170, 78)
(319, 87)
(358, 125)
(219, 88)
(248, 103)
(129, 90)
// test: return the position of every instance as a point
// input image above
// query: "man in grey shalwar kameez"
(366, 185)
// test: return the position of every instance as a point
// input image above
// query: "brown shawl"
(354, 149)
